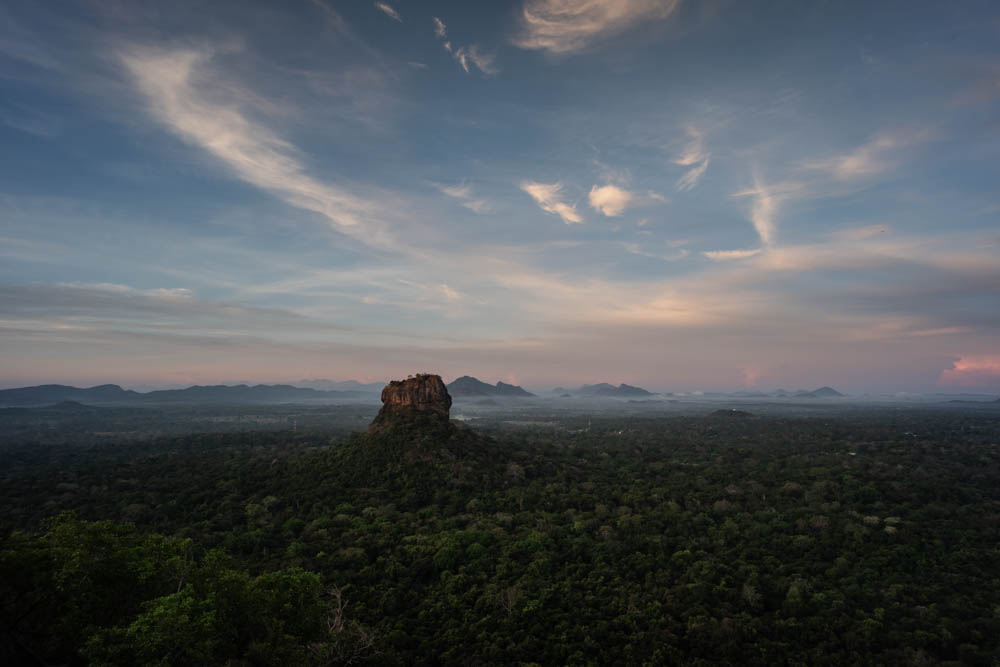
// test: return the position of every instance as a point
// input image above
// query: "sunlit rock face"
(420, 395)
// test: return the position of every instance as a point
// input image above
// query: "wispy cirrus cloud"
(176, 84)
(877, 156)
(610, 200)
(724, 255)
(388, 11)
(766, 200)
(464, 194)
(548, 196)
(467, 57)
(440, 29)
(568, 26)
(696, 157)
(636, 249)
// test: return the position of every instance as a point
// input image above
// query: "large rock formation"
(416, 396)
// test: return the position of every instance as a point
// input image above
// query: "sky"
(678, 194)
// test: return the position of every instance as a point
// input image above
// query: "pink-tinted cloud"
(981, 371)
(750, 376)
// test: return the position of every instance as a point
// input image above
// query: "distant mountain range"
(822, 392)
(341, 385)
(328, 391)
(50, 394)
(603, 389)
(468, 386)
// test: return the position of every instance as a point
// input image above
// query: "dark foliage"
(629, 541)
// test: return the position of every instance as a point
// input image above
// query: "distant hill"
(468, 386)
(49, 394)
(609, 390)
(46, 395)
(241, 393)
(822, 392)
(504, 389)
(970, 402)
(70, 406)
(341, 385)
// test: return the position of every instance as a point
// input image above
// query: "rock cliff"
(420, 395)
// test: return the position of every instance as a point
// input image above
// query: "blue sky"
(684, 195)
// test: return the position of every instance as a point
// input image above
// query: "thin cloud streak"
(565, 26)
(877, 156)
(694, 156)
(724, 255)
(464, 194)
(388, 11)
(168, 81)
(467, 57)
(440, 29)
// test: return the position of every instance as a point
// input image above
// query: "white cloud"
(764, 209)
(694, 156)
(462, 58)
(610, 200)
(465, 56)
(636, 249)
(440, 29)
(867, 160)
(692, 176)
(464, 194)
(873, 158)
(723, 255)
(388, 11)
(567, 26)
(456, 191)
(449, 293)
(548, 198)
(484, 61)
(762, 216)
(177, 88)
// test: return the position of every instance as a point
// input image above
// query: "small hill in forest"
(822, 392)
(413, 450)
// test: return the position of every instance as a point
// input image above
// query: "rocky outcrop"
(417, 396)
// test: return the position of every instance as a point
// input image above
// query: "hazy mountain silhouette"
(45, 395)
(609, 390)
(468, 386)
(341, 385)
(822, 392)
